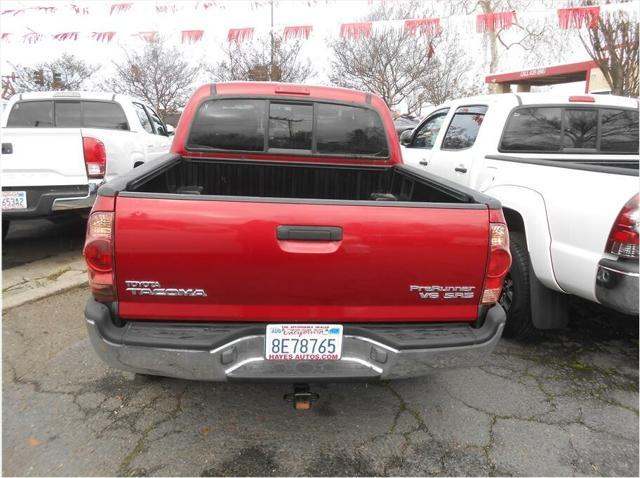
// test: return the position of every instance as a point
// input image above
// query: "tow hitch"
(302, 397)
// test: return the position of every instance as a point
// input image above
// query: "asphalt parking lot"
(563, 404)
(36, 239)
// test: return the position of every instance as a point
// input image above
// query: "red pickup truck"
(283, 239)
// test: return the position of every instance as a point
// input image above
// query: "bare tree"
(450, 75)
(64, 73)
(539, 40)
(158, 74)
(390, 64)
(263, 59)
(613, 45)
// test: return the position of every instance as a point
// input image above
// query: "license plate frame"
(303, 342)
(14, 200)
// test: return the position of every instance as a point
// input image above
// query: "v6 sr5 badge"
(431, 292)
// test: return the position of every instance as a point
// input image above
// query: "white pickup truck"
(565, 169)
(58, 147)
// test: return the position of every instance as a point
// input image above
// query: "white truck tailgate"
(43, 157)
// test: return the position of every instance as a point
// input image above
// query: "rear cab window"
(102, 114)
(67, 114)
(31, 114)
(570, 129)
(298, 127)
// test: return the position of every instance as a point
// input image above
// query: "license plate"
(14, 200)
(303, 342)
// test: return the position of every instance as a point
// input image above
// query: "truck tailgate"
(43, 157)
(213, 260)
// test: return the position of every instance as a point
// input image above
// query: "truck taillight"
(499, 259)
(625, 233)
(95, 157)
(98, 254)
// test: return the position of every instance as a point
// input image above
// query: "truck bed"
(263, 179)
(258, 238)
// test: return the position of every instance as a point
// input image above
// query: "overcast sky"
(324, 15)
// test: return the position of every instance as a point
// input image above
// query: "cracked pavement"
(563, 403)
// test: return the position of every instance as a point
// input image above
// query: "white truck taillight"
(95, 157)
(499, 258)
(98, 254)
(625, 233)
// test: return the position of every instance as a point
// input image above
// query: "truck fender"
(526, 215)
(526, 212)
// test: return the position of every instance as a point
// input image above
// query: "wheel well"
(515, 223)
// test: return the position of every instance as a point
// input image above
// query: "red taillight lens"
(625, 233)
(499, 261)
(95, 157)
(98, 254)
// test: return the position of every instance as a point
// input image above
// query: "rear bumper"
(221, 352)
(43, 201)
(617, 285)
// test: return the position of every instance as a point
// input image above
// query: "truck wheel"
(5, 228)
(516, 294)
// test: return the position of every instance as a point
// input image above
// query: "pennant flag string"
(192, 36)
(356, 30)
(575, 17)
(79, 10)
(103, 36)
(237, 35)
(300, 31)
(32, 38)
(120, 8)
(423, 26)
(490, 22)
(149, 37)
(66, 36)
(568, 18)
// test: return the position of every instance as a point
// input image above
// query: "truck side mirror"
(405, 137)
(170, 130)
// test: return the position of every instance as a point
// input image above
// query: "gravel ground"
(564, 403)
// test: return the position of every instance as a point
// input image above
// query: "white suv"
(58, 147)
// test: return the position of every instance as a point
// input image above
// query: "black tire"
(143, 378)
(516, 293)
(5, 228)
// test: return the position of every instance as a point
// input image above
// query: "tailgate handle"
(309, 233)
(7, 148)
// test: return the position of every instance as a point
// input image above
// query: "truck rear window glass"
(349, 130)
(580, 129)
(290, 125)
(571, 130)
(229, 124)
(464, 127)
(619, 131)
(68, 114)
(533, 129)
(242, 125)
(102, 114)
(31, 114)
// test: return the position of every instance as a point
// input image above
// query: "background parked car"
(566, 171)
(405, 122)
(58, 147)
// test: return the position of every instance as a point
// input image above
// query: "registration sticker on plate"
(14, 200)
(303, 342)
